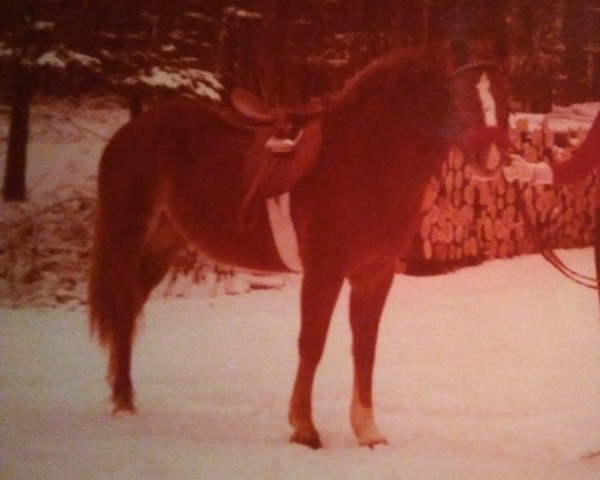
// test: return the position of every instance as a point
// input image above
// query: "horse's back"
(153, 138)
(185, 160)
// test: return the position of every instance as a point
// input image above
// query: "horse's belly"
(219, 232)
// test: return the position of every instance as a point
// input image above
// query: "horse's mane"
(404, 93)
(399, 104)
(382, 74)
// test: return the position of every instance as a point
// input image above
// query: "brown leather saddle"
(285, 150)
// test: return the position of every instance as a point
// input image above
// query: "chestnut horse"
(175, 175)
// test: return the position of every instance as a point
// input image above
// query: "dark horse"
(175, 175)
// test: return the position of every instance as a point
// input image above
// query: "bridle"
(483, 64)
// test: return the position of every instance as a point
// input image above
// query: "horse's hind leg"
(369, 289)
(128, 260)
(160, 247)
(115, 300)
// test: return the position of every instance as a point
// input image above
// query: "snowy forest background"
(285, 50)
(290, 49)
(128, 54)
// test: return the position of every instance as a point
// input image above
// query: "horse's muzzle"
(486, 163)
(485, 148)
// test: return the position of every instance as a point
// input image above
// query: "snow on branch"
(44, 26)
(199, 83)
(5, 50)
(198, 17)
(240, 13)
(63, 58)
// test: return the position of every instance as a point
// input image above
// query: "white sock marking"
(363, 422)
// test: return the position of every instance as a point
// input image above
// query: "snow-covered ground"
(490, 372)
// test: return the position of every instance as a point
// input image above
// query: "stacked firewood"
(466, 221)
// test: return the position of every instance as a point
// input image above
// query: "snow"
(198, 82)
(63, 58)
(5, 50)
(41, 26)
(489, 372)
(241, 13)
(198, 16)
(51, 59)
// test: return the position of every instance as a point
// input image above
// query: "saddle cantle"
(285, 149)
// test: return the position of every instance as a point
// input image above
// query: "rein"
(548, 253)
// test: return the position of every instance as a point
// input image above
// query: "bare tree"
(21, 83)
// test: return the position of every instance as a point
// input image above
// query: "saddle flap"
(277, 173)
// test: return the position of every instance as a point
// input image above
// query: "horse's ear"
(459, 52)
(476, 34)
(475, 49)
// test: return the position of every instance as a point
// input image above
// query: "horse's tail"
(101, 286)
(114, 291)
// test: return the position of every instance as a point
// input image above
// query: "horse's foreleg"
(370, 286)
(320, 289)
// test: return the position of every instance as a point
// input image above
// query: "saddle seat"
(285, 148)
(254, 110)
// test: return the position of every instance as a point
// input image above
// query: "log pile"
(466, 221)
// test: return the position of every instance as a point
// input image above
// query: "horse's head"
(480, 105)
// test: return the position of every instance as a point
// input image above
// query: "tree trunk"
(574, 58)
(16, 160)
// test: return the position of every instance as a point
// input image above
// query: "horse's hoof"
(122, 397)
(310, 440)
(125, 406)
(372, 442)
(118, 410)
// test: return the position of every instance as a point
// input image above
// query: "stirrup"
(285, 139)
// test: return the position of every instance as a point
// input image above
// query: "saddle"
(285, 149)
